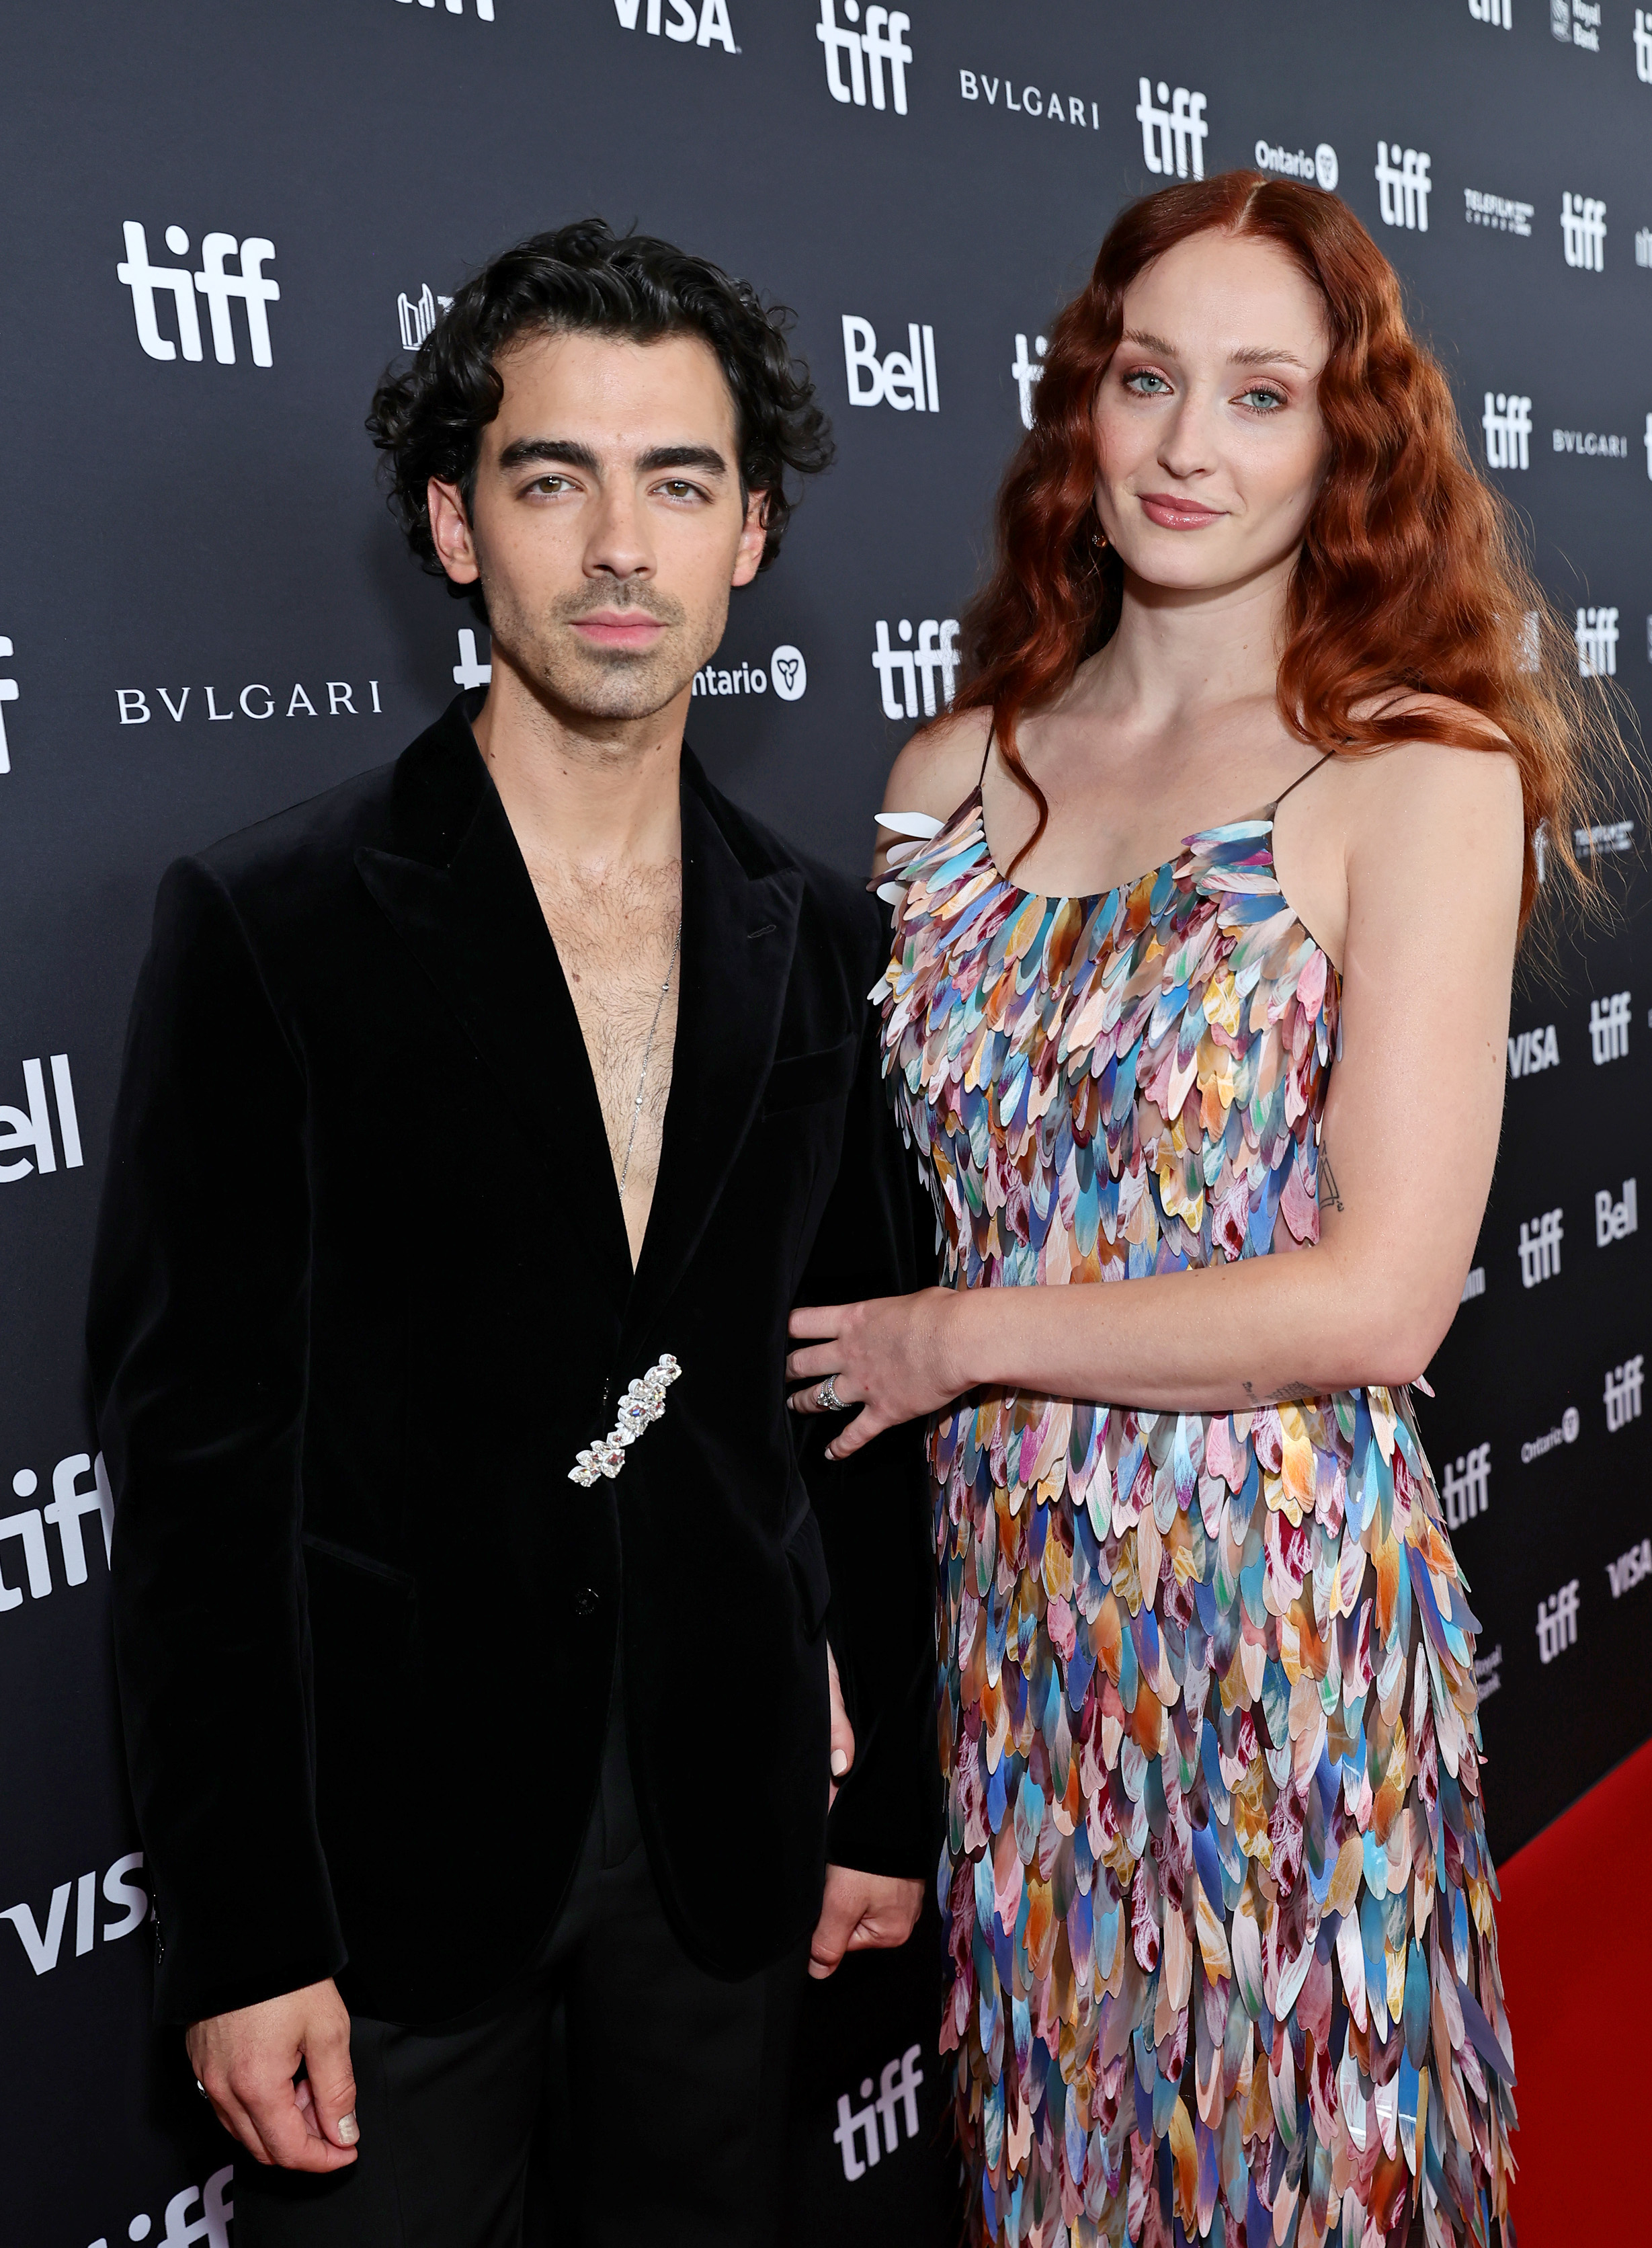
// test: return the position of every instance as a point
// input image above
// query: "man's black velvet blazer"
(362, 1292)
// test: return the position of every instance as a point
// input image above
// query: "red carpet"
(1577, 1966)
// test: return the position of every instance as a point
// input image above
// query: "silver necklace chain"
(648, 1056)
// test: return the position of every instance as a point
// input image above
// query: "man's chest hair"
(614, 941)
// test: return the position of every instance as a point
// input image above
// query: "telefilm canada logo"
(935, 655)
(1403, 186)
(249, 286)
(211, 2228)
(1501, 213)
(866, 53)
(708, 25)
(1032, 101)
(44, 1946)
(1173, 130)
(66, 1513)
(904, 379)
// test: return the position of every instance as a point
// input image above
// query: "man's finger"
(332, 2084)
(841, 1731)
(235, 2119)
(281, 2127)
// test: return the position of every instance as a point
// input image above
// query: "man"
(481, 1122)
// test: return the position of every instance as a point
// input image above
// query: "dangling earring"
(1099, 539)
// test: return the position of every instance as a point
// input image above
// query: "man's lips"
(633, 628)
(1173, 514)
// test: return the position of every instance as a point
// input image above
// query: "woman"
(1215, 1886)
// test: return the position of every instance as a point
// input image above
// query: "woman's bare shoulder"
(936, 771)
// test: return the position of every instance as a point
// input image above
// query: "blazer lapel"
(459, 893)
(739, 930)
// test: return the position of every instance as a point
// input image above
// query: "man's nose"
(618, 545)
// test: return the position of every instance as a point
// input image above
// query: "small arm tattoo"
(1329, 1191)
(1287, 1394)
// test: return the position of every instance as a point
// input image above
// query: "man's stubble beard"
(571, 675)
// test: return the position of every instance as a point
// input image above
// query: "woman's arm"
(1432, 846)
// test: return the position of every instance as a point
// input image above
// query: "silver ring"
(827, 1395)
(201, 2089)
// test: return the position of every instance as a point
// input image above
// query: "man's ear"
(450, 532)
(754, 532)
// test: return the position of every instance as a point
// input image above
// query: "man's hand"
(245, 2063)
(861, 1912)
(842, 1732)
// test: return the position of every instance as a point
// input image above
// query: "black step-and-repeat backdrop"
(221, 221)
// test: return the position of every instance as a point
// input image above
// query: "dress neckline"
(1259, 821)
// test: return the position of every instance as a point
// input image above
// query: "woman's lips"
(1173, 514)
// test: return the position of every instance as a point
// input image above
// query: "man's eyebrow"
(563, 449)
(568, 453)
(705, 457)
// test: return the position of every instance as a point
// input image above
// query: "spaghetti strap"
(981, 778)
(1323, 759)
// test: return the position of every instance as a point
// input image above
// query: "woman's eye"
(1262, 399)
(1146, 384)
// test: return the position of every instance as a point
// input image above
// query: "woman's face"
(1210, 447)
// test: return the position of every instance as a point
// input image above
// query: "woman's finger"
(815, 1363)
(815, 1320)
(867, 1424)
(809, 1400)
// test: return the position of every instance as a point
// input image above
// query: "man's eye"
(678, 488)
(549, 483)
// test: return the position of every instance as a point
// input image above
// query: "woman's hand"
(894, 1357)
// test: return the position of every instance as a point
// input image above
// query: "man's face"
(607, 526)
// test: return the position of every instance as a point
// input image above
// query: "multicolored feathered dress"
(1217, 1901)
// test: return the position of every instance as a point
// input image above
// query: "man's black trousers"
(619, 2096)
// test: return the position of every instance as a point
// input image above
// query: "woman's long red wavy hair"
(1411, 577)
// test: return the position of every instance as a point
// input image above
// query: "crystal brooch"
(644, 1400)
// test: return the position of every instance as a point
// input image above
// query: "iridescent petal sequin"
(1217, 1901)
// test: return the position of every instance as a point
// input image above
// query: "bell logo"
(33, 1129)
(9, 694)
(904, 379)
(250, 284)
(710, 23)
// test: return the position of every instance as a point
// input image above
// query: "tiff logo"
(1466, 1489)
(1533, 1050)
(1498, 12)
(882, 41)
(712, 23)
(1540, 1248)
(34, 1129)
(129, 1895)
(1507, 423)
(212, 2226)
(1614, 1220)
(1557, 1622)
(250, 284)
(897, 2088)
(1577, 22)
(1608, 1028)
(62, 1513)
(484, 7)
(1024, 374)
(1170, 138)
(1597, 639)
(1583, 231)
(1623, 1386)
(937, 650)
(904, 379)
(1403, 186)
(418, 315)
(9, 694)
(1630, 1568)
(1643, 46)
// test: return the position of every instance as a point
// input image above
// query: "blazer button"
(586, 1603)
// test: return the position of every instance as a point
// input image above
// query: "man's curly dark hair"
(427, 419)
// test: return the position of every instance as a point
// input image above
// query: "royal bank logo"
(1597, 639)
(1540, 1240)
(1623, 1386)
(1583, 232)
(1630, 1569)
(66, 1513)
(44, 1945)
(1609, 1028)
(1616, 1216)
(1557, 1622)
(1507, 423)
(935, 656)
(1533, 1050)
(211, 2227)
(335, 698)
(708, 25)
(857, 2136)
(865, 53)
(1032, 101)
(31, 1127)
(785, 675)
(1024, 374)
(1498, 212)
(1467, 1487)
(1173, 137)
(1498, 13)
(249, 286)
(418, 315)
(9, 694)
(1643, 46)
(1565, 1431)
(1576, 23)
(904, 379)
(484, 15)
(1297, 164)
(1403, 186)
